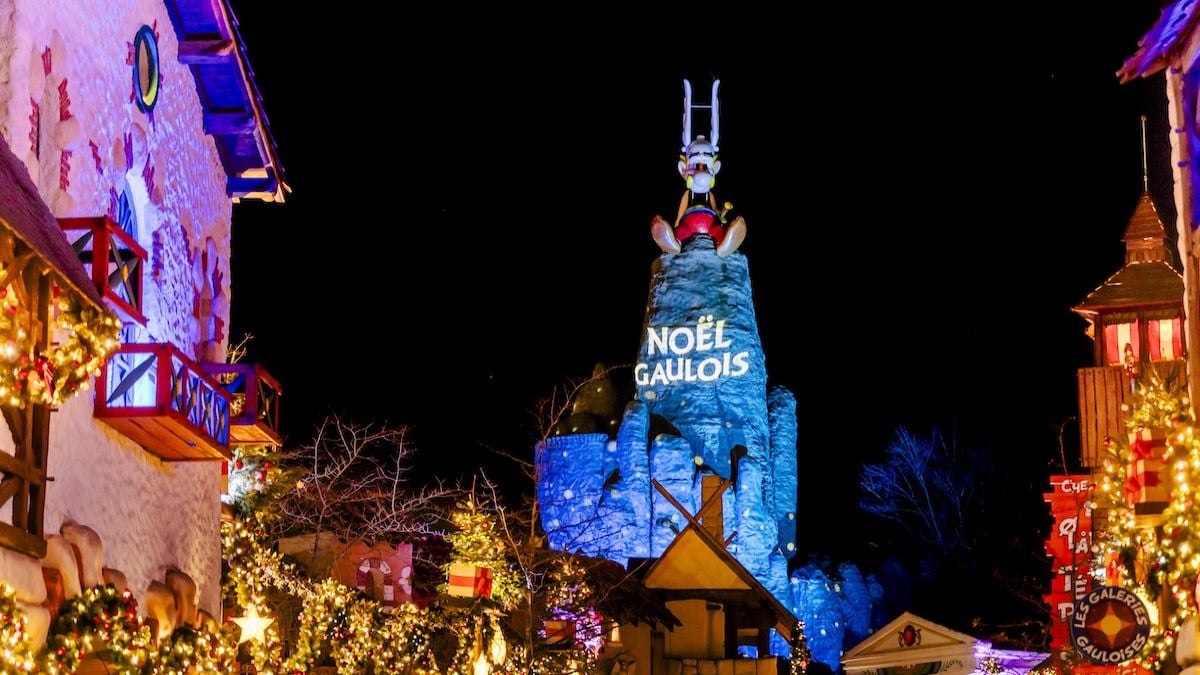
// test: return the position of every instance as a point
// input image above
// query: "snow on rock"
(820, 606)
(836, 608)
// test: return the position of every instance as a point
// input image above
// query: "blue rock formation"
(817, 600)
(702, 407)
(857, 604)
(701, 368)
(633, 461)
(781, 412)
(575, 499)
(835, 607)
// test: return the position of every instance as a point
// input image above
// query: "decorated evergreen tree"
(477, 543)
(479, 571)
(1158, 461)
(801, 656)
(572, 629)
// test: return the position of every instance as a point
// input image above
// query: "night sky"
(928, 191)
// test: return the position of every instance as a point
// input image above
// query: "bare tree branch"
(925, 486)
(355, 487)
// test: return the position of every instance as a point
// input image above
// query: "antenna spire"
(1145, 169)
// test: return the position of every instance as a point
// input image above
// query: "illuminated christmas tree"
(1151, 539)
(801, 655)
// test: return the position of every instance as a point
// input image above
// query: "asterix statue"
(698, 213)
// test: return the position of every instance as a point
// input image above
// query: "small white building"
(129, 129)
(911, 645)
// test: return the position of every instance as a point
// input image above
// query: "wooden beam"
(39, 417)
(206, 52)
(16, 425)
(686, 514)
(729, 597)
(14, 467)
(24, 453)
(8, 488)
(240, 187)
(765, 621)
(225, 123)
(731, 630)
(16, 539)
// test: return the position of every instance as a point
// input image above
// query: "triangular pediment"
(691, 563)
(909, 639)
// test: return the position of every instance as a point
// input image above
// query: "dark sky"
(928, 191)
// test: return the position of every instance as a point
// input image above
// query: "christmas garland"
(359, 632)
(54, 374)
(103, 622)
(16, 656)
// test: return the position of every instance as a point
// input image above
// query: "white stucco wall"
(152, 516)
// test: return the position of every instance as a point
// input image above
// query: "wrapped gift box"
(1148, 443)
(468, 581)
(558, 632)
(1147, 482)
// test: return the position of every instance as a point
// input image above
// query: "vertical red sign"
(1070, 549)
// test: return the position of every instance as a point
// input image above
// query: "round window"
(145, 69)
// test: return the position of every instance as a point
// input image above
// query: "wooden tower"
(1136, 321)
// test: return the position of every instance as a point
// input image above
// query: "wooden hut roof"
(1147, 278)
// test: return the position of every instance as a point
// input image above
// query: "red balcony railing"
(113, 258)
(254, 416)
(157, 396)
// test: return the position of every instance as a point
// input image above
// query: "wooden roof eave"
(26, 216)
(1138, 275)
(1093, 311)
(88, 297)
(783, 617)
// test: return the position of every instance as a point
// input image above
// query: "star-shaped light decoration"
(253, 625)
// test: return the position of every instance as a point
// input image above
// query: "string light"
(253, 626)
(335, 622)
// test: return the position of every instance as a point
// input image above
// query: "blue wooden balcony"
(160, 398)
